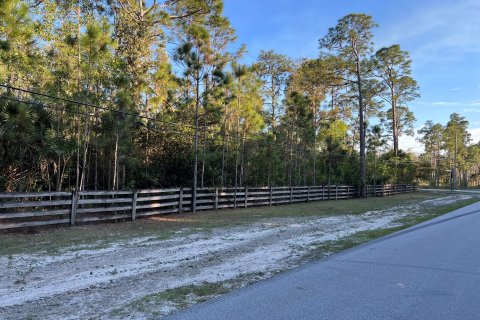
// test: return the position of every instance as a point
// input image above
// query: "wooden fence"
(390, 189)
(32, 209)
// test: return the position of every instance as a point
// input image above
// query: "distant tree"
(315, 79)
(274, 70)
(334, 149)
(472, 172)
(456, 139)
(375, 143)
(297, 133)
(432, 139)
(399, 168)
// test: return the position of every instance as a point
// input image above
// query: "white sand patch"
(447, 200)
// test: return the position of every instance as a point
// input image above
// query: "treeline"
(449, 159)
(123, 94)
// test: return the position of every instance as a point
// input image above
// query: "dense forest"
(123, 94)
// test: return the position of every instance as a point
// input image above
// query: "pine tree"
(351, 41)
(393, 67)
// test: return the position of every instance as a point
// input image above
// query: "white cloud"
(471, 110)
(475, 132)
(443, 31)
(444, 103)
(409, 143)
(473, 103)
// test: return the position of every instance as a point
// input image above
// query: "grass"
(55, 240)
(181, 297)
(177, 298)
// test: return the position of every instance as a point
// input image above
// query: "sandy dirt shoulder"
(85, 283)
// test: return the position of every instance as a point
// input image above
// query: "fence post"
(336, 192)
(348, 192)
(246, 196)
(291, 194)
(134, 204)
(73, 211)
(235, 198)
(270, 198)
(323, 193)
(394, 189)
(308, 194)
(180, 200)
(215, 201)
(193, 203)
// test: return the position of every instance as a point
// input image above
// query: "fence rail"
(30, 209)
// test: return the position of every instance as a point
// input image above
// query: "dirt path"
(82, 283)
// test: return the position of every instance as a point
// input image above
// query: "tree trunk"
(204, 152)
(195, 166)
(115, 163)
(224, 147)
(394, 121)
(363, 185)
(85, 153)
(77, 178)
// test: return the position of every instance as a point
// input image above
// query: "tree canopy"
(119, 94)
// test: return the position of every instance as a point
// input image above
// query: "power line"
(36, 104)
(91, 105)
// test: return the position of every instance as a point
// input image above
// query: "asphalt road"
(430, 271)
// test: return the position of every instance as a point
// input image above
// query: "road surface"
(430, 271)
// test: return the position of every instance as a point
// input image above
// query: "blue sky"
(442, 36)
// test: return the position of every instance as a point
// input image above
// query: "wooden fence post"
(323, 193)
(308, 194)
(291, 194)
(246, 196)
(73, 211)
(336, 192)
(180, 200)
(193, 202)
(134, 204)
(235, 198)
(215, 201)
(348, 192)
(270, 198)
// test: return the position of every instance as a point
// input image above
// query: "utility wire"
(93, 105)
